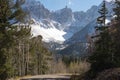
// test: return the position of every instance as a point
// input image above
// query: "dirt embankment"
(110, 74)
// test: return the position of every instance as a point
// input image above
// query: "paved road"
(48, 77)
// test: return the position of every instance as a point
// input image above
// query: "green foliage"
(8, 10)
(41, 56)
(101, 58)
(106, 54)
(20, 54)
(116, 34)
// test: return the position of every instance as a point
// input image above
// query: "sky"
(75, 5)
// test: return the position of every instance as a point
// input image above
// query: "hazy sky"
(75, 5)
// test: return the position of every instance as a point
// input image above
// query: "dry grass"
(79, 67)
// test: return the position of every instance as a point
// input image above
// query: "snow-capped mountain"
(64, 16)
(88, 29)
(81, 37)
(62, 26)
(36, 10)
(57, 26)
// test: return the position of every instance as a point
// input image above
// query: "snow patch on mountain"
(48, 31)
(109, 0)
(107, 21)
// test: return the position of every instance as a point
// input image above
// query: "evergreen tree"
(20, 50)
(101, 56)
(10, 13)
(116, 34)
(20, 54)
(41, 56)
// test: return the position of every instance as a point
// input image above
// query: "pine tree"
(10, 13)
(116, 34)
(101, 56)
(20, 54)
(20, 50)
(40, 56)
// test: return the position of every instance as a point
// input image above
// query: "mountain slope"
(62, 28)
(83, 35)
(48, 30)
(63, 21)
